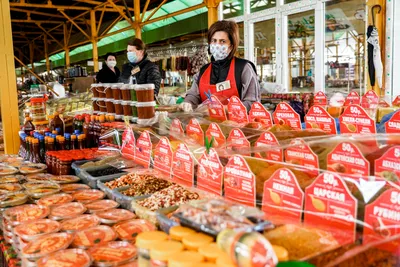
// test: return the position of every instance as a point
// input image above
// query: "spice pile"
(146, 187)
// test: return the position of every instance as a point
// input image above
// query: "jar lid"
(131, 86)
(116, 85)
(125, 87)
(94, 85)
(108, 100)
(101, 84)
(119, 117)
(146, 104)
(95, 98)
(140, 87)
(101, 99)
(133, 103)
(126, 103)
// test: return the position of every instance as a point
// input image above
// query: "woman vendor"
(226, 75)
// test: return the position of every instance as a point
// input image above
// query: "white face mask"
(111, 64)
(219, 52)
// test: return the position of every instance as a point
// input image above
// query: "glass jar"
(109, 105)
(64, 166)
(134, 109)
(126, 106)
(108, 90)
(93, 88)
(118, 107)
(126, 92)
(116, 91)
(144, 92)
(146, 110)
(100, 90)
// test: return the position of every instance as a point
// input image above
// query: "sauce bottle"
(67, 137)
(61, 143)
(96, 131)
(57, 123)
(22, 146)
(81, 141)
(50, 142)
(35, 149)
(42, 149)
(74, 142)
(86, 130)
(28, 126)
(91, 131)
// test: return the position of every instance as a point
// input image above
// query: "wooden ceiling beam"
(36, 21)
(49, 6)
(122, 13)
(155, 10)
(35, 12)
(50, 35)
(74, 23)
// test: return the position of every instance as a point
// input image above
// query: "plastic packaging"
(64, 179)
(67, 211)
(70, 188)
(146, 110)
(13, 199)
(145, 92)
(87, 196)
(9, 188)
(126, 92)
(119, 253)
(80, 222)
(145, 241)
(66, 257)
(37, 191)
(101, 205)
(110, 106)
(7, 170)
(94, 236)
(134, 109)
(128, 230)
(118, 107)
(126, 106)
(162, 251)
(116, 91)
(113, 216)
(30, 231)
(11, 179)
(32, 168)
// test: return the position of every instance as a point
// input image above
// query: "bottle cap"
(77, 132)
(67, 136)
(73, 137)
(58, 130)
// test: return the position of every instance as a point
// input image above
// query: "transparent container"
(144, 92)
(146, 110)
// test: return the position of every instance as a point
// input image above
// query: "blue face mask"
(132, 57)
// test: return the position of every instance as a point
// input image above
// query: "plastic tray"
(151, 216)
(123, 200)
(165, 223)
(92, 181)
(108, 191)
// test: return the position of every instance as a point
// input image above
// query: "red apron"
(223, 96)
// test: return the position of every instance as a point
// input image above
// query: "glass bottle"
(86, 131)
(61, 143)
(67, 137)
(81, 141)
(74, 144)
(57, 122)
(28, 126)
(35, 149)
(42, 149)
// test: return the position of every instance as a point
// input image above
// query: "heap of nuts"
(128, 179)
(168, 197)
(146, 187)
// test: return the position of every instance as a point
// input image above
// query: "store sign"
(143, 150)
(258, 113)
(214, 132)
(370, 99)
(329, 205)
(195, 132)
(210, 173)
(216, 110)
(265, 142)
(346, 158)
(299, 153)
(318, 118)
(393, 125)
(237, 112)
(283, 197)
(320, 99)
(396, 101)
(237, 143)
(355, 120)
(239, 182)
(176, 131)
(183, 166)
(285, 114)
(388, 166)
(353, 98)
(128, 143)
(163, 157)
(382, 220)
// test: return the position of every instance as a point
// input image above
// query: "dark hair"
(231, 28)
(139, 44)
(109, 54)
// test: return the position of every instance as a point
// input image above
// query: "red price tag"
(320, 99)
(283, 197)
(356, 120)
(353, 98)
(330, 205)
(210, 173)
(299, 153)
(216, 110)
(163, 156)
(383, 104)
(143, 150)
(237, 142)
(128, 144)
(183, 166)
(239, 182)
(214, 131)
(267, 140)
(176, 129)
(389, 163)
(370, 100)
(237, 112)
(285, 114)
(382, 220)
(318, 117)
(393, 125)
(258, 113)
(346, 158)
(396, 101)
(195, 132)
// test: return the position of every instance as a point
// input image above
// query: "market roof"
(31, 20)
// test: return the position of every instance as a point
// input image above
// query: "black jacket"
(106, 75)
(220, 69)
(149, 73)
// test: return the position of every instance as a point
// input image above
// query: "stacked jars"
(128, 102)
(145, 102)
(96, 108)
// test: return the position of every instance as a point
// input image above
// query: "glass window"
(264, 50)
(258, 5)
(301, 51)
(344, 46)
(233, 8)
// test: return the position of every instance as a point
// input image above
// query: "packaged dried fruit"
(79, 223)
(128, 230)
(24, 213)
(13, 199)
(7, 170)
(39, 177)
(89, 195)
(9, 188)
(97, 235)
(101, 205)
(32, 168)
(46, 244)
(11, 179)
(66, 257)
(65, 179)
(66, 211)
(114, 216)
(41, 190)
(32, 230)
(70, 188)
(113, 253)
(56, 199)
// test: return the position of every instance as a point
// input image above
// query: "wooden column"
(138, 20)
(46, 54)
(212, 6)
(66, 48)
(8, 86)
(94, 40)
